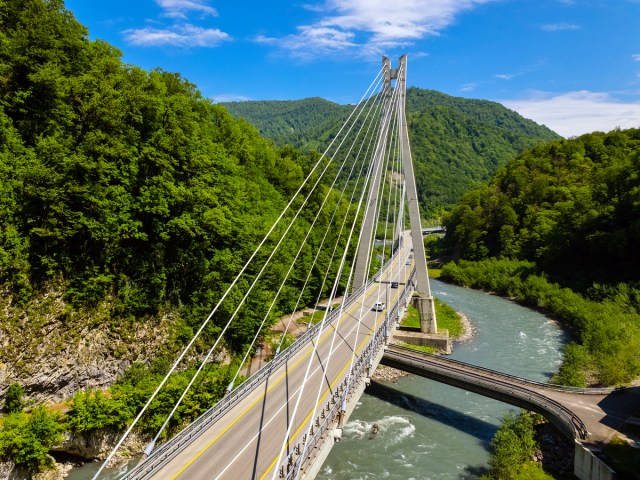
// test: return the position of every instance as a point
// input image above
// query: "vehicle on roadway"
(394, 284)
(378, 306)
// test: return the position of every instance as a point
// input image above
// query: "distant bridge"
(433, 230)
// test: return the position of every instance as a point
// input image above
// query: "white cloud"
(558, 27)
(504, 76)
(576, 113)
(312, 41)
(179, 8)
(230, 97)
(636, 57)
(468, 87)
(184, 35)
(367, 26)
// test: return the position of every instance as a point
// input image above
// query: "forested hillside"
(301, 123)
(566, 214)
(456, 143)
(125, 197)
(128, 204)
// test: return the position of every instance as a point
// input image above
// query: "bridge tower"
(424, 300)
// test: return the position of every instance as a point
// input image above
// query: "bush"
(512, 446)
(14, 403)
(26, 438)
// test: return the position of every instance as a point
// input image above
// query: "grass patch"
(448, 319)
(411, 318)
(625, 459)
(445, 315)
(434, 272)
(421, 348)
(316, 316)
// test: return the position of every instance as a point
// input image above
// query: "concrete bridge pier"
(427, 310)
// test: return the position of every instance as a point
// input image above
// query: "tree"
(14, 402)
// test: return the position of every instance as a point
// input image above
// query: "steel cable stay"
(246, 295)
(326, 233)
(226, 293)
(397, 198)
(384, 167)
(324, 280)
(332, 296)
(320, 330)
(303, 243)
(322, 324)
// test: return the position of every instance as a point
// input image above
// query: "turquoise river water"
(431, 431)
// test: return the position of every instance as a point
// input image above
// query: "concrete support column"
(427, 311)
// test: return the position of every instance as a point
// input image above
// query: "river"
(431, 431)
(428, 430)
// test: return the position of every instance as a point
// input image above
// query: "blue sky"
(573, 65)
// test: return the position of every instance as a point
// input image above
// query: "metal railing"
(491, 385)
(167, 451)
(522, 380)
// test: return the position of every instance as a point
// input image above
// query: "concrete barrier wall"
(586, 466)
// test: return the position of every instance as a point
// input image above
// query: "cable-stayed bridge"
(282, 421)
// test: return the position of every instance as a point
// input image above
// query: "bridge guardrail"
(526, 381)
(164, 453)
(293, 466)
(562, 417)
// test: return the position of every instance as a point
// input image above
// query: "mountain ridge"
(460, 142)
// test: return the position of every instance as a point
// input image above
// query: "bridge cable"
(321, 329)
(235, 281)
(385, 119)
(319, 249)
(247, 293)
(385, 168)
(378, 166)
(303, 243)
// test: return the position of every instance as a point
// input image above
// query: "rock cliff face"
(98, 444)
(54, 350)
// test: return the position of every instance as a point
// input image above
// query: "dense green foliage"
(14, 401)
(456, 143)
(570, 209)
(511, 450)
(127, 185)
(26, 438)
(572, 206)
(609, 329)
(93, 410)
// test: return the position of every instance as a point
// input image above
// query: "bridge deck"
(245, 442)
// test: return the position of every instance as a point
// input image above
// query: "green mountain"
(301, 123)
(457, 143)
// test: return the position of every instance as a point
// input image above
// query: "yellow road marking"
(206, 447)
